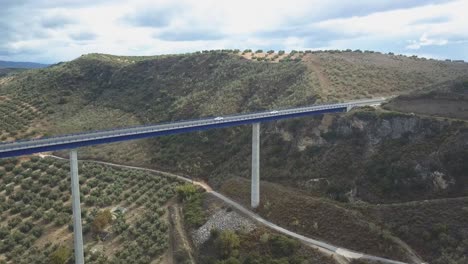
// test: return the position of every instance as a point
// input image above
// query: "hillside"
(175, 87)
(5, 72)
(318, 218)
(368, 156)
(36, 212)
(434, 228)
(448, 99)
(98, 91)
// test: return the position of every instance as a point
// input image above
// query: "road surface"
(70, 141)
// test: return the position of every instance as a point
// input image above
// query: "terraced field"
(36, 212)
(16, 119)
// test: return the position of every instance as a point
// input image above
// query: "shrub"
(37, 231)
(60, 255)
(9, 167)
(255, 258)
(14, 222)
(37, 214)
(3, 232)
(283, 246)
(101, 220)
(61, 219)
(119, 225)
(193, 211)
(90, 200)
(50, 216)
(9, 189)
(227, 243)
(25, 227)
(231, 260)
(186, 191)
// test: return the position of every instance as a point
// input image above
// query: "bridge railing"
(267, 112)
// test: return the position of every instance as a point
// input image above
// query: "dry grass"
(360, 75)
(317, 218)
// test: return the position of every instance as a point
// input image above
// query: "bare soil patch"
(313, 62)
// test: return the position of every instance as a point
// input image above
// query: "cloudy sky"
(58, 30)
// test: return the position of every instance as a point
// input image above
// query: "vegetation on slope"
(376, 156)
(317, 218)
(368, 74)
(259, 246)
(17, 119)
(436, 229)
(351, 158)
(168, 88)
(192, 198)
(98, 91)
(256, 246)
(447, 99)
(163, 88)
(5, 72)
(36, 212)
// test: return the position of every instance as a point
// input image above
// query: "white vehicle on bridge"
(274, 112)
(219, 118)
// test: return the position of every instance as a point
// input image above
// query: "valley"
(389, 181)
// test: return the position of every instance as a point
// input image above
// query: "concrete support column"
(75, 185)
(255, 191)
(348, 108)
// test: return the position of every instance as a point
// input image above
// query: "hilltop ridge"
(355, 161)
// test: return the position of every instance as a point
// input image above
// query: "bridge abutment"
(255, 188)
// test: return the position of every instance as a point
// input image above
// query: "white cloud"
(40, 30)
(424, 40)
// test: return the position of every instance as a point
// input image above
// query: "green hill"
(10, 71)
(367, 156)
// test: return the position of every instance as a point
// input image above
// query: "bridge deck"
(26, 147)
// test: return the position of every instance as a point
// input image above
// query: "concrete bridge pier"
(255, 188)
(75, 186)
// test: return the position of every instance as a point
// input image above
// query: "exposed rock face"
(378, 129)
(439, 182)
(404, 151)
(371, 155)
(396, 127)
(377, 156)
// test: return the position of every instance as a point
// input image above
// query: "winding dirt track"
(341, 255)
